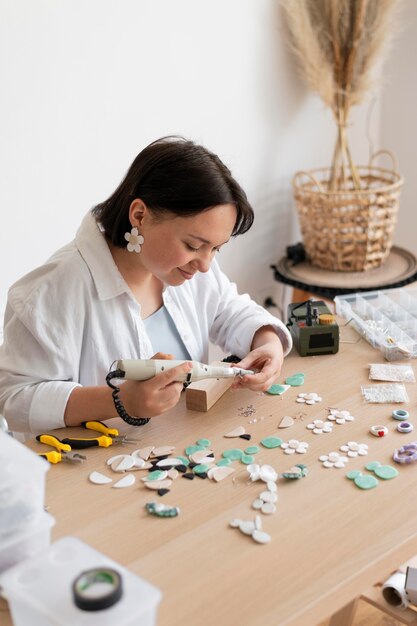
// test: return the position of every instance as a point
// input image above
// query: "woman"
(140, 277)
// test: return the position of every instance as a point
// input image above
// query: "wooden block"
(201, 395)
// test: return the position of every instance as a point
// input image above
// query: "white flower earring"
(134, 240)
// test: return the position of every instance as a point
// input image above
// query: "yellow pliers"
(109, 437)
(62, 452)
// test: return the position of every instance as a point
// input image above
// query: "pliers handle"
(109, 432)
(100, 428)
(50, 440)
(78, 443)
(54, 456)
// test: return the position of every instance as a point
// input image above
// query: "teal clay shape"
(247, 459)
(386, 472)
(296, 380)
(223, 462)
(201, 469)
(363, 481)
(204, 442)
(234, 454)
(155, 475)
(195, 448)
(162, 510)
(183, 460)
(298, 471)
(271, 442)
(252, 450)
(277, 390)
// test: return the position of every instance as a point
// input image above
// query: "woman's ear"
(137, 212)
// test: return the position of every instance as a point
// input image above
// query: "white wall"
(87, 83)
(399, 120)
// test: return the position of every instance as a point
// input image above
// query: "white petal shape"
(99, 479)
(127, 236)
(257, 504)
(158, 484)
(247, 528)
(260, 536)
(286, 422)
(267, 473)
(123, 464)
(143, 453)
(240, 430)
(114, 458)
(126, 481)
(134, 231)
(130, 247)
(222, 472)
(163, 450)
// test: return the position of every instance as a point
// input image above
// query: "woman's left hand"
(266, 356)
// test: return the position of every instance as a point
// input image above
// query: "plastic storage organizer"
(386, 319)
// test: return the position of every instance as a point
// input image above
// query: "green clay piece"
(386, 472)
(155, 475)
(252, 450)
(366, 482)
(183, 460)
(247, 459)
(204, 442)
(223, 462)
(234, 454)
(271, 442)
(195, 448)
(372, 465)
(353, 474)
(162, 510)
(277, 390)
(296, 380)
(293, 474)
(201, 469)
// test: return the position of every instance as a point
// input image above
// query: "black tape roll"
(81, 589)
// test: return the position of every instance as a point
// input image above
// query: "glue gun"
(144, 369)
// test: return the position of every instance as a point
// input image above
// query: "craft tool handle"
(81, 444)
(52, 456)
(50, 440)
(143, 369)
(100, 428)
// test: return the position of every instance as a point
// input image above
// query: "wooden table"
(330, 540)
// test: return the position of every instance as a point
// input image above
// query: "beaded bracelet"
(133, 421)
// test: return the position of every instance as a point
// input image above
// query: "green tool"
(313, 328)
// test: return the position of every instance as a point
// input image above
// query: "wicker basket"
(350, 230)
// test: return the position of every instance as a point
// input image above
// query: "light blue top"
(164, 336)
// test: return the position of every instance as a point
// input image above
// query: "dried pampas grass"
(337, 44)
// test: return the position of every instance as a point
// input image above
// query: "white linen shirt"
(68, 320)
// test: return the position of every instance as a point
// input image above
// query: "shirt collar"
(92, 246)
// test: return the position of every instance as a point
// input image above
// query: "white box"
(39, 591)
(26, 542)
(22, 486)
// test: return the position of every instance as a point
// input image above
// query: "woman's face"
(175, 248)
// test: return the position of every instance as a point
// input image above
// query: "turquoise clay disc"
(295, 380)
(234, 454)
(386, 472)
(247, 459)
(223, 462)
(204, 442)
(366, 482)
(276, 390)
(252, 450)
(271, 442)
(353, 474)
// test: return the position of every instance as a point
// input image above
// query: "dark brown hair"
(173, 175)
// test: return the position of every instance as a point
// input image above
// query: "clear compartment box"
(386, 319)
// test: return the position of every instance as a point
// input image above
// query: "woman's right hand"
(154, 396)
